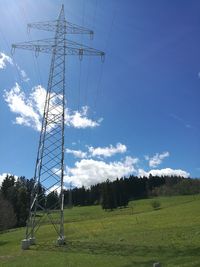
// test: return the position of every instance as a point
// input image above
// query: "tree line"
(15, 194)
(118, 193)
(15, 198)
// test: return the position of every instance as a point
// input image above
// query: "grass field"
(134, 236)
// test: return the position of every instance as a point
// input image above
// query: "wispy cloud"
(5, 60)
(77, 153)
(157, 159)
(99, 152)
(182, 121)
(107, 151)
(29, 109)
(163, 172)
(22, 74)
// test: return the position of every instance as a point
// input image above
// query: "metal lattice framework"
(49, 170)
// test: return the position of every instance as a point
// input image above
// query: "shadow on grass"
(119, 249)
(2, 243)
(141, 263)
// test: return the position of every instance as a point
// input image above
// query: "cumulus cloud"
(77, 153)
(4, 59)
(164, 172)
(157, 159)
(29, 109)
(88, 172)
(79, 119)
(107, 151)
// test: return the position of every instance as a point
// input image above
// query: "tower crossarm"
(70, 28)
(48, 46)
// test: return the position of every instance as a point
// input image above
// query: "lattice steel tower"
(49, 169)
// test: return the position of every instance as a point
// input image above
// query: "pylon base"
(61, 241)
(25, 244)
(32, 241)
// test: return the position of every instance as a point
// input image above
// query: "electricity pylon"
(49, 169)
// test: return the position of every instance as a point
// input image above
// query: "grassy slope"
(135, 236)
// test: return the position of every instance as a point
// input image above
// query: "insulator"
(80, 53)
(102, 56)
(28, 28)
(91, 35)
(13, 50)
(37, 50)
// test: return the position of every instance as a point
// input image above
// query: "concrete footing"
(32, 241)
(157, 264)
(60, 241)
(25, 244)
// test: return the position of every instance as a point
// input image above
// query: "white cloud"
(4, 59)
(88, 172)
(98, 151)
(3, 176)
(22, 73)
(55, 188)
(77, 153)
(157, 159)
(79, 119)
(182, 121)
(107, 151)
(163, 172)
(30, 109)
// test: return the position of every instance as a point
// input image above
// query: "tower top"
(62, 13)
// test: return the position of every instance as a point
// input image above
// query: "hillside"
(134, 236)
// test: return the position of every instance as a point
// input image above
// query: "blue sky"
(135, 113)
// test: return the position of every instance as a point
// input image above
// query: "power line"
(16, 67)
(35, 60)
(99, 83)
(89, 61)
(79, 85)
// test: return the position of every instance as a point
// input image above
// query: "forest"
(15, 194)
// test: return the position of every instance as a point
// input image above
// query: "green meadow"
(134, 236)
